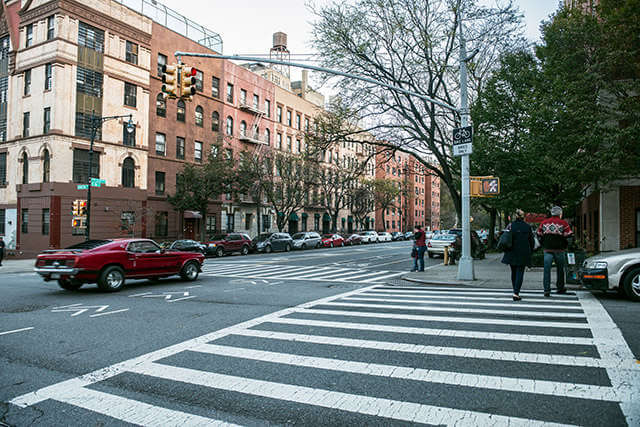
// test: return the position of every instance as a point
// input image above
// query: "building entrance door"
(190, 229)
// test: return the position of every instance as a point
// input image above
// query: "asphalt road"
(312, 338)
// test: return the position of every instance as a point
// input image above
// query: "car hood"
(627, 254)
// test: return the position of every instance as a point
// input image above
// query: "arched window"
(161, 106)
(128, 173)
(243, 128)
(25, 168)
(181, 111)
(229, 125)
(46, 166)
(215, 121)
(267, 136)
(199, 116)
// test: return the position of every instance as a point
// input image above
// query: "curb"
(444, 282)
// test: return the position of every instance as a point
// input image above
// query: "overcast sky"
(247, 26)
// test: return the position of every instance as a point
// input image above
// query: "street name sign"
(97, 182)
(462, 141)
(83, 187)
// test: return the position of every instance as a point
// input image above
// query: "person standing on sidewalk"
(1, 250)
(554, 233)
(519, 256)
(421, 246)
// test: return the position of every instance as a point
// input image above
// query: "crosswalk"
(296, 272)
(381, 355)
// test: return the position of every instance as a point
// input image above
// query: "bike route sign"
(462, 141)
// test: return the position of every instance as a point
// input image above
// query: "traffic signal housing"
(188, 83)
(76, 208)
(170, 76)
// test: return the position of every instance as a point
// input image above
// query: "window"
(3, 169)
(199, 80)
(181, 111)
(298, 122)
(48, 76)
(81, 166)
(90, 37)
(46, 166)
(231, 222)
(161, 147)
(266, 223)
(247, 221)
(29, 38)
(45, 222)
(279, 114)
(51, 26)
(132, 53)
(130, 94)
(211, 225)
(162, 61)
(89, 81)
(228, 154)
(230, 93)
(298, 146)
(215, 87)
(128, 173)
(197, 154)
(288, 143)
(267, 107)
(256, 102)
(27, 83)
(26, 119)
(161, 106)
(160, 183)
(128, 138)
(288, 117)
(199, 116)
(306, 124)
(180, 147)
(3, 217)
(162, 224)
(229, 125)
(24, 221)
(267, 136)
(46, 120)
(279, 141)
(243, 97)
(243, 128)
(25, 168)
(215, 121)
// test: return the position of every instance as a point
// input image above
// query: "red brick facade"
(629, 217)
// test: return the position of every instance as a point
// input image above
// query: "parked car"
(331, 240)
(369, 236)
(383, 236)
(354, 239)
(223, 244)
(618, 270)
(270, 242)
(396, 235)
(110, 262)
(306, 240)
(187, 246)
(408, 235)
(436, 245)
(478, 249)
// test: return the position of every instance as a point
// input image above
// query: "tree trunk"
(492, 226)
(334, 223)
(258, 216)
(457, 201)
(203, 225)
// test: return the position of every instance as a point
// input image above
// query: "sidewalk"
(489, 273)
(17, 266)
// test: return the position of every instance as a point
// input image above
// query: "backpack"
(506, 241)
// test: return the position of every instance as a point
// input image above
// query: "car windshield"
(218, 237)
(363, 233)
(263, 237)
(298, 236)
(90, 244)
(447, 237)
(327, 236)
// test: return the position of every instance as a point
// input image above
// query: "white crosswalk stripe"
(337, 336)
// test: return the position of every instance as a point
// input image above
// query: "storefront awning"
(192, 215)
(293, 216)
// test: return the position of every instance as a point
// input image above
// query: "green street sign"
(97, 182)
(83, 187)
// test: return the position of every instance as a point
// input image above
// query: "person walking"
(420, 246)
(519, 256)
(1, 250)
(554, 233)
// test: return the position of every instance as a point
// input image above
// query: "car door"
(153, 261)
(234, 242)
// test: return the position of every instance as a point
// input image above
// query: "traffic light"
(76, 208)
(83, 208)
(170, 75)
(188, 83)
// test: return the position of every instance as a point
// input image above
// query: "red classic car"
(109, 262)
(331, 240)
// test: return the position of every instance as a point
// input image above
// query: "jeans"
(517, 275)
(420, 258)
(549, 257)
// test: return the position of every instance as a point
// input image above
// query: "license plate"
(55, 276)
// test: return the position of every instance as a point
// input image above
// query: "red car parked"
(354, 239)
(331, 240)
(229, 243)
(109, 262)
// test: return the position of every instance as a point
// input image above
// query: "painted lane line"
(139, 295)
(182, 299)
(300, 271)
(237, 269)
(235, 289)
(519, 385)
(462, 310)
(192, 287)
(358, 276)
(321, 271)
(17, 330)
(454, 333)
(258, 269)
(283, 270)
(102, 374)
(425, 318)
(494, 304)
(470, 291)
(623, 369)
(131, 411)
(510, 356)
(387, 276)
(348, 272)
(109, 312)
(328, 271)
(379, 407)
(447, 296)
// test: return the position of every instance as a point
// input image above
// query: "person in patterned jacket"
(554, 233)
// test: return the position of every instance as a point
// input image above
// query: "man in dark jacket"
(1, 250)
(421, 246)
(554, 233)
(519, 256)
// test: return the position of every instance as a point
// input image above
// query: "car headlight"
(596, 264)
(212, 245)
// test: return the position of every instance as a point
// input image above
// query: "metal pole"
(93, 137)
(465, 266)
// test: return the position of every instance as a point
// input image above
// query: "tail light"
(71, 262)
(429, 245)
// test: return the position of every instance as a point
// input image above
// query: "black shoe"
(413, 270)
(547, 294)
(421, 270)
(561, 291)
(516, 298)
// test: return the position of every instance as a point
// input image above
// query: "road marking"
(448, 296)
(458, 303)
(380, 407)
(17, 330)
(388, 276)
(464, 290)
(510, 356)
(139, 295)
(109, 312)
(344, 273)
(78, 308)
(283, 270)
(182, 299)
(192, 287)
(358, 276)
(320, 271)
(300, 271)
(519, 385)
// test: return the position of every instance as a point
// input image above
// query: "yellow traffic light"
(83, 208)
(76, 208)
(188, 83)
(170, 75)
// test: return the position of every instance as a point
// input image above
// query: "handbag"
(506, 241)
(414, 252)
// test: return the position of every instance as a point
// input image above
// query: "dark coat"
(523, 244)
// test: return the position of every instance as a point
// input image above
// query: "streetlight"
(96, 122)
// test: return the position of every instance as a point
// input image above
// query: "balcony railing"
(251, 108)
(254, 139)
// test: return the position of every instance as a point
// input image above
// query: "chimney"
(305, 82)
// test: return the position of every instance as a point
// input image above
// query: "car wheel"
(318, 245)
(342, 244)
(287, 248)
(190, 271)
(632, 284)
(430, 254)
(331, 245)
(244, 250)
(267, 249)
(69, 284)
(220, 251)
(111, 279)
(304, 246)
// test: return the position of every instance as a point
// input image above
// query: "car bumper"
(57, 273)
(594, 278)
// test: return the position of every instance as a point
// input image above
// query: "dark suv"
(228, 243)
(270, 242)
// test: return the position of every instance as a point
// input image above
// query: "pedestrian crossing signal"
(484, 186)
